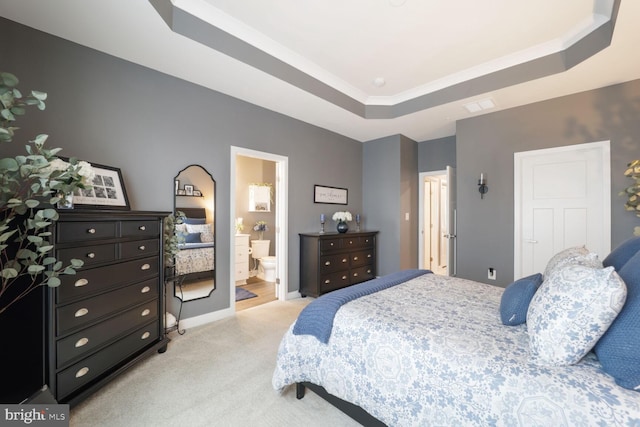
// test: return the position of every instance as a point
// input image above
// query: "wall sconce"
(482, 186)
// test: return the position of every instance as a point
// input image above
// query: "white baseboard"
(203, 319)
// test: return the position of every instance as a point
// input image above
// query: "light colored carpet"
(214, 375)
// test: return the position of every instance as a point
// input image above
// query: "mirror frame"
(176, 284)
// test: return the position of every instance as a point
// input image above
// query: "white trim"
(282, 218)
(203, 319)
(605, 148)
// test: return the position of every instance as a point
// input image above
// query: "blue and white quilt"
(433, 351)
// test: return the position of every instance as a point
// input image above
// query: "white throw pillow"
(570, 311)
(205, 230)
(578, 255)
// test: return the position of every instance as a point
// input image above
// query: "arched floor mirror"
(195, 266)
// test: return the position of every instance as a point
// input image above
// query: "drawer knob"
(145, 336)
(81, 312)
(82, 372)
(91, 255)
(355, 258)
(145, 312)
(142, 247)
(81, 342)
(344, 277)
(80, 283)
(355, 274)
(145, 267)
(327, 263)
(145, 290)
(91, 231)
(369, 271)
(142, 228)
(326, 282)
(331, 244)
(351, 242)
(368, 255)
(344, 260)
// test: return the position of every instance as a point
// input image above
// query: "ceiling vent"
(484, 104)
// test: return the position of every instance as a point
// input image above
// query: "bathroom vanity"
(331, 261)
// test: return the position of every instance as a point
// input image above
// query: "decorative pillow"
(516, 298)
(572, 256)
(205, 230)
(572, 309)
(192, 238)
(186, 220)
(619, 348)
(623, 253)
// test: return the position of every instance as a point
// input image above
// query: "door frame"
(421, 213)
(281, 229)
(605, 150)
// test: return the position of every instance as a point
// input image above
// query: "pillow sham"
(205, 230)
(572, 309)
(572, 256)
(623, 253)
(192, 238)
(186, 220)
(516, 298)
(619, 348)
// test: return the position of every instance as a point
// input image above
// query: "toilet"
(266, 263)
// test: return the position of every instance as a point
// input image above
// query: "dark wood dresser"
(332, 261)
(110, 314)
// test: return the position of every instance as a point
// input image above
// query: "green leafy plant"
(30, 185)
(172, 237)
(632, 192)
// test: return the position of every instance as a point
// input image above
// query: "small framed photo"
(197, 193)
(107, 190)
(330, 195)
(188, 190)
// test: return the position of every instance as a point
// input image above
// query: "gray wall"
(112, 112)
(487, 144)
(390, 190)
(437, 154)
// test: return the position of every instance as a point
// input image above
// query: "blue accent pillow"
(619, 348)
(623, 253)
(192, 238)
(186, 220)
(516, 298)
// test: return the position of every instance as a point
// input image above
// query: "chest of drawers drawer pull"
(145, 335)
(82, 342)
(355, 258)
(145, 312)
(351, 242)
(368, 255)
(145, 290)
(91, 231)
(327, 263)
(344, 260)
(368, 271)
(81, 312)
(327, 281)
(91, 255)
(82, 372)
(355, 274)
(80, 283)
(145, 267)
(142, 247)
(142, 228)
(344, 277)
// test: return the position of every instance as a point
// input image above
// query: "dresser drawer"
(361, 258)
(86, 231)
(91, 255)
(87, 282)
(140, 228)
(333, 281)
(330, 244)
(362, 274)
(82, 342)
(330, 263)
(78, 314)
(86, 370)
(139, 248)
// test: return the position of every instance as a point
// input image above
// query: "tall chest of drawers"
(110, 314)
(332, 261)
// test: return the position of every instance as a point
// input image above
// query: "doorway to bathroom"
(258, 244)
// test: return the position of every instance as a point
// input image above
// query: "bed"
(195, 260)
(416, 348)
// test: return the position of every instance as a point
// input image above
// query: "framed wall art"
(108, 190)
(330, 195)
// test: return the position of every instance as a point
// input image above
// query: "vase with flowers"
(342, 218)
(67, 177)
(260, 227)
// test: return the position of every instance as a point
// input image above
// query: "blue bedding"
(317, 318)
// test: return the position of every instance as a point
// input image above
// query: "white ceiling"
(417, 46)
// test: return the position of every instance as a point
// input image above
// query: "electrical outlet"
(492, 273)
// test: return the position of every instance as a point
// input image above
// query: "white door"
(562, 199)
(451, 226)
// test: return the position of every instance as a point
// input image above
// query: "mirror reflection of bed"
(195, 261)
